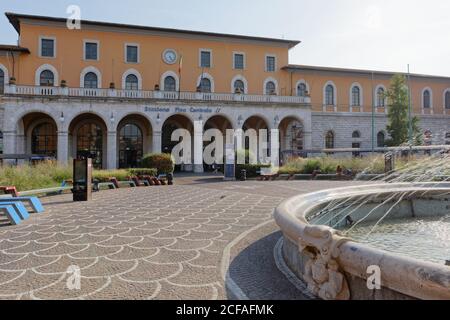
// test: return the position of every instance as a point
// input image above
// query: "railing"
(143, 94)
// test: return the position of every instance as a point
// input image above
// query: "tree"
(398, 101)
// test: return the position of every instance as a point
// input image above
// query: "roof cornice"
(300, 68)
(15, 20)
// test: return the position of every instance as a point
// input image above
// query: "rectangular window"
(48, 48)
(132, 53)
(91, 51)
(239, 61)
(270, 64)
(205, 59)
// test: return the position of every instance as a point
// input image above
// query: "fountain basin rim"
(409, 276)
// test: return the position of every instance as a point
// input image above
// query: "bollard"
(243, 175)
(170, 179)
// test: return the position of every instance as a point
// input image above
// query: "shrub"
(253, 170)
(162, 162)
(49, 174)
(24, 177)
(143, 172)
(328, 165)
(310, 165)
(104, 175)
(245, 154)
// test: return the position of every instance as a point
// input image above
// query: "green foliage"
(398, 103)
(143, 172)
(247, 155)
(104, 175)
(253, 170)
(162, 162)
(311, 165)
(49, 175)
(24, 178)
(328, 165)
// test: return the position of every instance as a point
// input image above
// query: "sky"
(364, 34)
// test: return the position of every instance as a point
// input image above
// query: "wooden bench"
(140, 183)
(118, 183)
(9, 190)
(47, 191)
(109, 185)
(268, 177)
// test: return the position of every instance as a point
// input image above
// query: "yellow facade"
(69, 63)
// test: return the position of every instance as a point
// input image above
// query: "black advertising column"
(82, 180)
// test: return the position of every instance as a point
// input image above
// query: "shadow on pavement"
(254, 271)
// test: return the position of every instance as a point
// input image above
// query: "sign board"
(82, 180)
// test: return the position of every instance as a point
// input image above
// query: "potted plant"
(199, 93)
(12, 81)
(112, 85)
(157, 87)
(64, 90)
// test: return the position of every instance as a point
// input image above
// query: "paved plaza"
(200, 239)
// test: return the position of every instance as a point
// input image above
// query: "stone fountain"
(318, 250)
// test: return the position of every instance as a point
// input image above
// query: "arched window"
(47, 78)
(329, 95)
(131, 82)
(447, 100)
(426, 99)
(205, 85)
(44, 140)
(170, 84)
(356, 134)
(302, 90)
(356, 96)
(381, 96)
(270, 87)
(2, 81)
(91, 80)
(329, 140)
(447, 138)
(239, 86)
(381, 139)
(131, 146)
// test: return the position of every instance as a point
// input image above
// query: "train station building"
(117, 92)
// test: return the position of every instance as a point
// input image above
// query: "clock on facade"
(170, 56)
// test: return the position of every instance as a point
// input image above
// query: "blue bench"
(32, 201)
(19, 207)
(11, 214)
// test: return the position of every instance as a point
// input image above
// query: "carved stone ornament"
(322, 273)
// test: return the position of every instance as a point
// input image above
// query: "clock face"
(170, 56)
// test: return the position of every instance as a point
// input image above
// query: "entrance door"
(128, 159)
(90, 144)
(130, 146)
